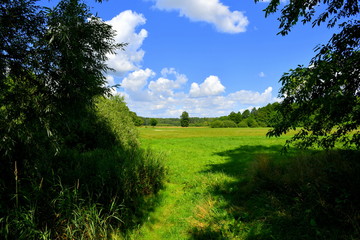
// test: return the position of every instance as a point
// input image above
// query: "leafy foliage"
(117, 115)
(305, 10)
(184, 119)
(153, 122)
(325, 96)
(69, 155)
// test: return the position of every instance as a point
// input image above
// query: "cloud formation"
(125, 25)
(137, 80)
(210, 87)
(250, 97)
(167, 95)
(165, 87)
(210, 11)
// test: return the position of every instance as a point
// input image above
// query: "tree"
(51, 70)
(235, 117)
(246, 114)
(325, 96)
(153, 122)
(184, 119)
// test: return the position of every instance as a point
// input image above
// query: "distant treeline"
(257, 117)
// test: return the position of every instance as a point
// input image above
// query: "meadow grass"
(236, 184)
(205, 168)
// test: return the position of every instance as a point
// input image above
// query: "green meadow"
(222, 184)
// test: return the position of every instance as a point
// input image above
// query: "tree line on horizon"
(256, 117)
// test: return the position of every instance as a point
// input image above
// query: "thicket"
(71, 164)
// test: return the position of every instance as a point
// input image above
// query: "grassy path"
(205, 167)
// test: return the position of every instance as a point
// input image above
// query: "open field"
(206, 167)
(196, 132)
(236, 184)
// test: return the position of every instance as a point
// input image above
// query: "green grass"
(236, 184)
(205, 168)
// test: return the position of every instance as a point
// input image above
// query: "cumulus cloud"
(163, 86)
(210, 87)
(137, 80)
(262, 74)
(210, 11)
(167, 95)
(250, 97)
(125, 25)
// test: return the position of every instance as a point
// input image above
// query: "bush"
(243, 124)
(114, 112)
(251, 122)
(229, 124)
(223, 124)
(217, 124)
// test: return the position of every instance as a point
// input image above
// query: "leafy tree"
(235, 117)
(52, 68)
(184, 119)
(153, 122)
(246, 114)
(323, 97)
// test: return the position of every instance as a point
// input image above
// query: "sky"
(206, 57)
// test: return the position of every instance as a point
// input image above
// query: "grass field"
(212, 188)
(206, 166)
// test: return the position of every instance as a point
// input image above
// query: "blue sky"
(206, 57)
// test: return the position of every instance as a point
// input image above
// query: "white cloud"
(250, 97)
(167, 95)
(110, 81)
(125, 25)
(210, 87)
(137, 80)
(210, 11)
(163, 86)
(262, 74)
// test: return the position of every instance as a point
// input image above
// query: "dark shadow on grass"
(260, 212)
(238, 159)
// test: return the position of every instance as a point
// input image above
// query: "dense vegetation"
(257, 117)
(71, 164)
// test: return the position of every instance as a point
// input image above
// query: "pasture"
(206, 168)
(236, 184)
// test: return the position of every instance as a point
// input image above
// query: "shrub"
(251, 122)
(229, 124)
(223, 124)
(216, 124)
(114, 112)
(243, 124)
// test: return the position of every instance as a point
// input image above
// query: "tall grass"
(84, 195)
(319, 192)
(98, 183)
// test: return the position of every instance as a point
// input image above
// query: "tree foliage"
(153, 122)
(184, 119)
(325, 96)
(52, 65)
